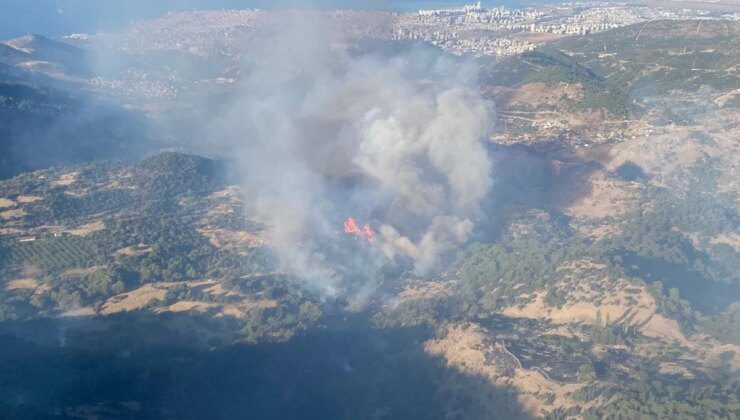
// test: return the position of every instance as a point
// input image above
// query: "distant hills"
(41, 48)
(54, 114)
(659, 56)
(39, 54)
(42, 127)
(49, 114)
(595, 87)
(550, 66)
(642, 59)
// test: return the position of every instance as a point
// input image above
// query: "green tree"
(586, 373)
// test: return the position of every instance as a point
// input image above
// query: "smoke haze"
(322, 134)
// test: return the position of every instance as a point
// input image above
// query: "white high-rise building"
(468, 8)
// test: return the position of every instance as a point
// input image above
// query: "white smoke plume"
(323, 134)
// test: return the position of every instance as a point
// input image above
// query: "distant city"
(55, 18)
(470, 29)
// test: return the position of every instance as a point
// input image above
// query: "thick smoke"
(324, 132)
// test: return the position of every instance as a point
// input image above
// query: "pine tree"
(597, 333)
(609, 337)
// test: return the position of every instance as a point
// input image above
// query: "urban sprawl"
(471, 29)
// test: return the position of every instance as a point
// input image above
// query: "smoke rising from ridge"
(323, 134)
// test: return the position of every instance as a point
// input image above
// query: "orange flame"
(366, 233)
(350, 226)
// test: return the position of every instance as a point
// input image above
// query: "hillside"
(661, 56)
(166, 241)
(597, 276)
(615, 84)
(43, 126)
(10, 55)
(42, 48)
(50, 114)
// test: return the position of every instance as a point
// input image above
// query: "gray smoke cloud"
(323, 133)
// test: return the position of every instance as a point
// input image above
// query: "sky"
(55, 18)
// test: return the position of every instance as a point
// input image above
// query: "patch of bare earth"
(236, 307)
(116, 185)
(135, 299)
(226, 201)
(21, 284)
(658, 155)
(664, 153)
(28, 198)
(589, 291)
(669, 368)
(599, 231)
(219, 310)
(81, 312)
(692, 236)
(134, 250)
(534, 94)
(216, 289)
(470, 349)
(66, 179)
(12, 214)
(724, 127)
(607, 198)
(562, 331)
(186, 305)
(722, 100)
(231, 239)
(6, 202)
(231, 192)
(86, 229)
(731, 239)
(423, 290)
(540, 93)
(239, 304)
(534, 113)
(732, 349)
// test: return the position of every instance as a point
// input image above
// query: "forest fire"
(364, 233)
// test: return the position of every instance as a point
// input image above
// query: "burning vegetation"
(361, 234)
